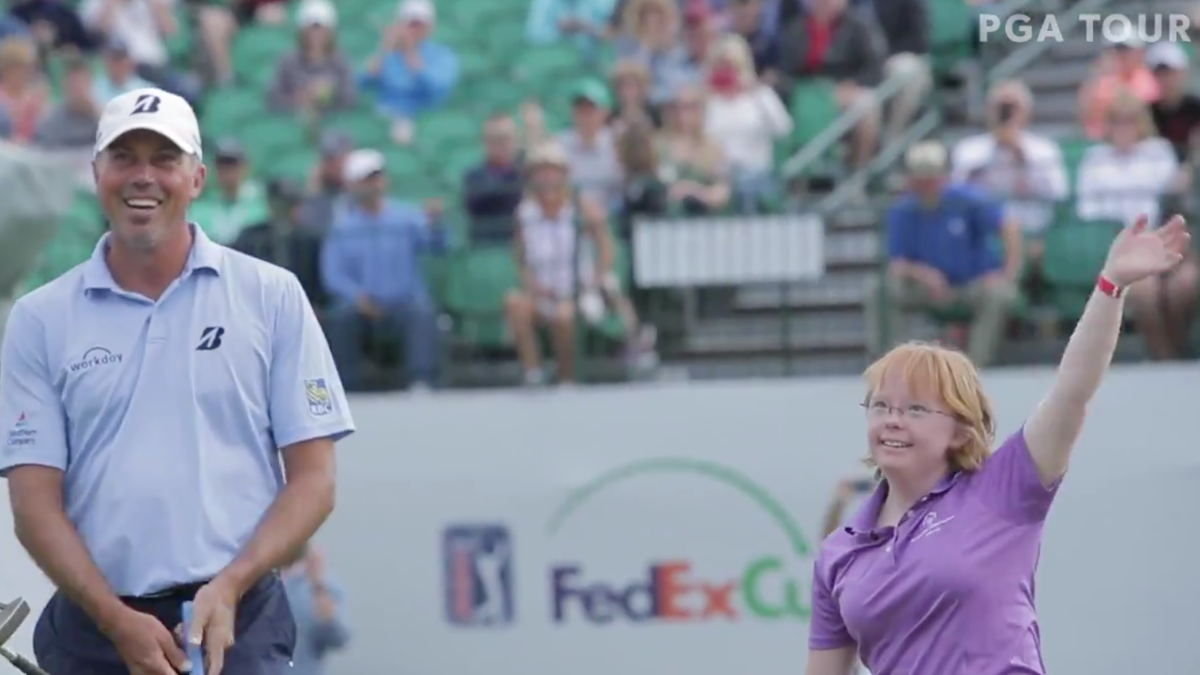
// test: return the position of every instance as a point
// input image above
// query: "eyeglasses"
(914, 411)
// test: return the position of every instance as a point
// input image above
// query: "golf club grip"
(23, 664)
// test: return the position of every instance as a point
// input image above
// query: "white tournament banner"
(671, 530)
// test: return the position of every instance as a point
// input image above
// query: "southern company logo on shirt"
(21, 434)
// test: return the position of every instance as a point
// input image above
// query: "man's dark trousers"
(67, 642)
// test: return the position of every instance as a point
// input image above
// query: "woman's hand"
(1139, 253)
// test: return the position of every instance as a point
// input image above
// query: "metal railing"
(932, 119)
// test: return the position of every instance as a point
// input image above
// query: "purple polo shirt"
(948, 591)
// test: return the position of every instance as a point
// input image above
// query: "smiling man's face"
(145, 184)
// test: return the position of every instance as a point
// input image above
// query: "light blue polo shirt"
(167, 417)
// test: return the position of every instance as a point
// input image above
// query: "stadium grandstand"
(756, 168)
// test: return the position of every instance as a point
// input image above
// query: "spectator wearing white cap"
(315, 78)
(1176, 113)
(370, 267)
(409, 73)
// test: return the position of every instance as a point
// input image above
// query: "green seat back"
(367, 129)
(1075, 251)
(1072, 152)
(813, 108)
(475, 284)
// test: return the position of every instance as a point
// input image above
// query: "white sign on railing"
(728, 251)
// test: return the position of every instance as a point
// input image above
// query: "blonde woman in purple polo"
(934, 575)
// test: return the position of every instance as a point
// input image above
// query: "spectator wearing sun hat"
(315, 78)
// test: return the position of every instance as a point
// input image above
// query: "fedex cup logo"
(675, 590)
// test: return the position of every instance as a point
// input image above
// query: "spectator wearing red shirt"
(830, 42)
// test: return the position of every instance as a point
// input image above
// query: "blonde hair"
(950, 375)
(632, 69)
(631, 18)
(17, 51)
(1126, 103)
(734, 49)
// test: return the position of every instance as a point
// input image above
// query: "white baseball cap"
(1167, 55)
(417, 10)
(153, 110)
(360, 164)
(316, 13)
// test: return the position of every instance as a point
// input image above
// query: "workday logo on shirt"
(768, 586)
(95, 358)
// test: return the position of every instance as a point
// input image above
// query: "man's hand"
(146, 646)
(366, 307)
(314, 566)
(935, 285)
(214, 610)
(434, 208)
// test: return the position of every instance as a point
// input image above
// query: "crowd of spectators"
(687, 106)
(968, 233)
(683, 119)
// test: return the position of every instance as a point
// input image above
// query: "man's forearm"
(301, 507)
(54, 544)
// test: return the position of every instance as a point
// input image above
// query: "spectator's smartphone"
(864, 485)
(1005, 112)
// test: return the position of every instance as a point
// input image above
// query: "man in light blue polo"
(152, 400)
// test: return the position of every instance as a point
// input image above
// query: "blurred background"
(756, 187)
(493, 194)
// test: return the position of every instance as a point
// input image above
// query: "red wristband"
(1107, 287)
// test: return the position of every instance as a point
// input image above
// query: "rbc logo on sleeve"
(479, 572)
(320, 403)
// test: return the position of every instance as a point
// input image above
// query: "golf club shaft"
(21, 663)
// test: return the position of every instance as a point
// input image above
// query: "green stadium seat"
(358, 41)
(257, 49)
(1075, 251)
(951, 31)
(268, 135)
(1072, 152)
(292, 163)
(813, 108)
(225, 110)
(448, 128)
(476, 282)
(365, 127)
(544, 64)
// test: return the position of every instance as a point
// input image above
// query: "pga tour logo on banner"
(478, 563)
(1111, 28)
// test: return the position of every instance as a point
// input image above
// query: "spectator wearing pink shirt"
(1121, 68)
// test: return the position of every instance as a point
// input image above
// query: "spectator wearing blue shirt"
(316, 602)
(585, 22)
(370, 267)
(410, 73)
(949, 248)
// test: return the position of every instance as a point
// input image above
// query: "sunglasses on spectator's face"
(1123, 119)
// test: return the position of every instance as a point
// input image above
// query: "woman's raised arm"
(1136, 254)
